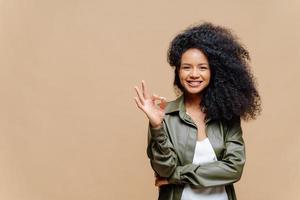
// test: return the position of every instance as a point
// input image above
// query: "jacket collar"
(178, 106)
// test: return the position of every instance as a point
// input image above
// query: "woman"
(195, 142)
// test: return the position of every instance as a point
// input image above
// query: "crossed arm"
(164, 161)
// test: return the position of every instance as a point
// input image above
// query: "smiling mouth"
(194, 83)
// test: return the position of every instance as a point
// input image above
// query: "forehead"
(193, 56)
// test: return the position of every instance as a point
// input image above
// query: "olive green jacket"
(171, 151)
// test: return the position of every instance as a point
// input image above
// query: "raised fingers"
(138, 103)
(145, 90)
(140, 96)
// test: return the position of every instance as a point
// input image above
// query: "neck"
(192, 101)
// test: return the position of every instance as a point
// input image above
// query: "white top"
(204, 153)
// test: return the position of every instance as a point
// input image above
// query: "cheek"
(208, 75)
(180, 75)
(208, 79)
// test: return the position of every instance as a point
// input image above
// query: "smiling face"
(194, 71)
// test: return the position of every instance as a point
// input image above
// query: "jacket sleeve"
(222, 172)
(161, 152)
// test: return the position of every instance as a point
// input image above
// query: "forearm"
(160, 151)
(212, 174)
(225, 171)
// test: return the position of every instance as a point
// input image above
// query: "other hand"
(161, 181)
(146, 102)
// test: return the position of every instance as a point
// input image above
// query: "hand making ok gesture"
(146, 103)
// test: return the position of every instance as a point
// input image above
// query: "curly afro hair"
(231, 92)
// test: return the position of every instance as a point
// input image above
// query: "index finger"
(145, 90)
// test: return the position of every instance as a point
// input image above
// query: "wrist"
(158, 126)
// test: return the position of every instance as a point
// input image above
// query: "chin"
(193, 91)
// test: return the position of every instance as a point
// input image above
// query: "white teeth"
(194, 83)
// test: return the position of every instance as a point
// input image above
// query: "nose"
(195, 72)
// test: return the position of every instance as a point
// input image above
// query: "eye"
(185, 67)
(203, 67)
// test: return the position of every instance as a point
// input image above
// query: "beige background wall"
(69, 128)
